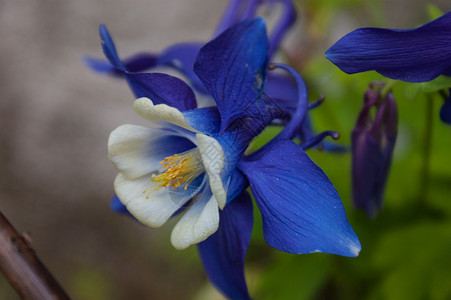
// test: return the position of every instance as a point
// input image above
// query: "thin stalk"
(426, 152)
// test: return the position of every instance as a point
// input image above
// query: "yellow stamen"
(179, 169)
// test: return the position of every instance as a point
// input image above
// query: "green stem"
(427, 145)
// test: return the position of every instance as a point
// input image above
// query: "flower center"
(180, 169)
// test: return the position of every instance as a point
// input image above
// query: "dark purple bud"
(445, 110)
(373, 140)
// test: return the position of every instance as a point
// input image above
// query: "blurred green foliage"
(406, 248)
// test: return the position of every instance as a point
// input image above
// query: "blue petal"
(445, 111)
(162, 89)
(414, 55)
(223, 253)
(232, 68)
(301, 210)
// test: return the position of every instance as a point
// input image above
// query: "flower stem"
(427, 145)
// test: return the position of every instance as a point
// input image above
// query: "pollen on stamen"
(180, 169)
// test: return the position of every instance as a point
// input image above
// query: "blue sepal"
(232, 68)
(414, 55)
(162, 89)
(223, 253)
(301, 210)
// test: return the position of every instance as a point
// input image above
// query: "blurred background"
(56, 181)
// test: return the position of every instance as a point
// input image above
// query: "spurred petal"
(223, 253)
(301, 210)
(414, 55)
(232, 68)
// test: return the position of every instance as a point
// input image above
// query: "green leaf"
(412, 259)
(294, 277)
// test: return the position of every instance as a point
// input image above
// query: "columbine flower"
(193, 158)
(373, 141)
(414, 55)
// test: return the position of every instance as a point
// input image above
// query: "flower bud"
(373, 140)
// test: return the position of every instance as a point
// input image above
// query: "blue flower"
(414, 55)
(373, 141)
(194, 158)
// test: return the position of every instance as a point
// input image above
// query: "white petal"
(136, 150)
(154, 210)
(130, 150)
(198, 223)
(213, 160)
(160, 112)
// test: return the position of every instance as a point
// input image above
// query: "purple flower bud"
(373, 140)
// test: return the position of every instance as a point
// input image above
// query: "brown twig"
(23, 269)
